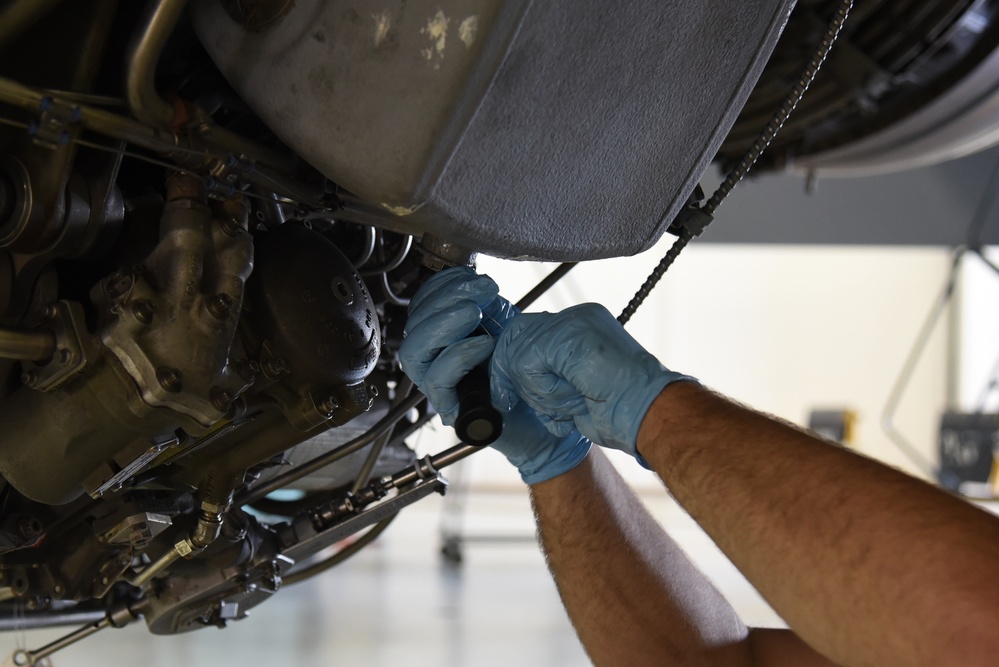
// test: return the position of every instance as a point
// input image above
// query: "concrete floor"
(399, 603)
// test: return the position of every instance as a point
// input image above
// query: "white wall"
(785, 329)
(978, 351)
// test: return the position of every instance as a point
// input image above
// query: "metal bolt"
(58, 589)
(170, 379)
(29, 527)
(276, 366)
(29, 378)
(65, 356)
(51, 311)
(221, 399)
(143, 310)
(231, 225)
(221, 305)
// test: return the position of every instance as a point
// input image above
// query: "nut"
(221, 305)
(170, 379)
(143, 310)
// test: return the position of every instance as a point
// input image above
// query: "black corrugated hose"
(699, 218)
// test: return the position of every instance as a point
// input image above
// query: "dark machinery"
(211, 218)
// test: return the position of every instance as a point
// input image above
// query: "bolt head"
(170, 379)
(29, 378)
(221, 398)
(143, 310)
(221, 305)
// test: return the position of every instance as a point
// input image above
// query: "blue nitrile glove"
(580, 370)
(437, 352)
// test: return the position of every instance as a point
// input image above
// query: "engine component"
(614, 121)
(903, 88)
(164, 360)
(312, 325)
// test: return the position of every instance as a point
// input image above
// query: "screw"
(221, 399)
(143, 310)
(221, 305)
(29, 378)
(170, 379)
(65, 356)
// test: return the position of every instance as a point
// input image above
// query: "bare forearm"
(866, 564)
(633, 596)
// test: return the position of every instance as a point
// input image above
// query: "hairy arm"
(632, 594)
(866, 564)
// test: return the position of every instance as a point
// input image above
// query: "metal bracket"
(300, 539)
(55, 119)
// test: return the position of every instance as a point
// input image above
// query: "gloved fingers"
(426, 340)
(446, 288)
(450, 366)
(559, 426)
(496, 314)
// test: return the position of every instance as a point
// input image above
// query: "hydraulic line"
(704, 214)
(22, 344)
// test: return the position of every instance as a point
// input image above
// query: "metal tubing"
(36, 620)
(31, 658)
(21, 15)
(383, 426)
(155, 568)
(364, 475)
(140, 83)
(22, 344)
(545, 284)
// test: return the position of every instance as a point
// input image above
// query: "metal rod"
(155, 568)
(364, 475)
(895, 398)
(30, 658)
(431, 464)
(140, 83)
(34, 345)
(545, 284)
(21, 15)
(36, 620)
(383, 426)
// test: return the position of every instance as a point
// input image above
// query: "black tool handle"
(478, 423)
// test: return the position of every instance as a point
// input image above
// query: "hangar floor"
(399, 602)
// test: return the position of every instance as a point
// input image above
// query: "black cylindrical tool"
(479, 423)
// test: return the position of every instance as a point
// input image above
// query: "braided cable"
(748, 160)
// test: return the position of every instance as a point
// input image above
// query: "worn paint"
(383, 22)
(400, 211)
(436, 32)
(467, 30)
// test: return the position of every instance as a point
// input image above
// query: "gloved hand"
(580, 371)
(437, 352)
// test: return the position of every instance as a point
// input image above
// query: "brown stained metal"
(185, 186)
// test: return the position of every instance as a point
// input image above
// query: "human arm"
(866, 564)
(632, 594)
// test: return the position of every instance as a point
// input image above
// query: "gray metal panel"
(573, 130)
(595, 131)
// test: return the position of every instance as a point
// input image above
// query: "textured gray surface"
(594, 118)
(617, 109)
